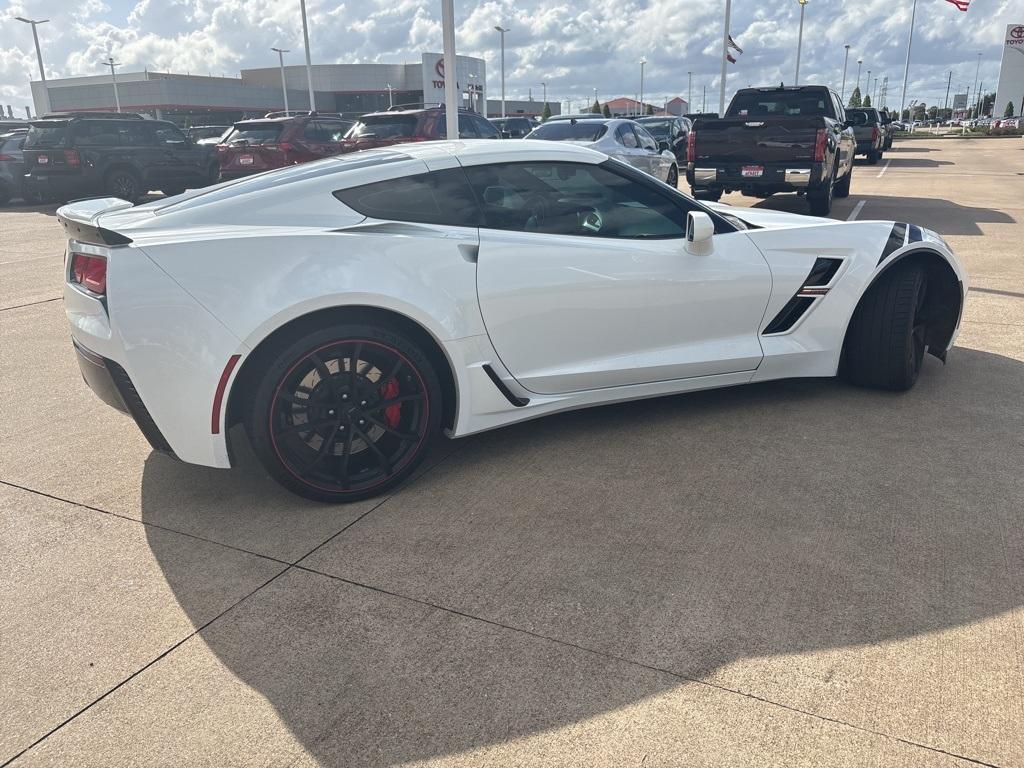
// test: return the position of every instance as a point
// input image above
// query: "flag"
(960, 4)
(732, 44)
(730, 58)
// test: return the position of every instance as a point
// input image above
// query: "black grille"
(789, 314)
(137, 409)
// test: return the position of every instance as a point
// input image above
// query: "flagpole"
(800, 41)
(906, 68)
(725, 62)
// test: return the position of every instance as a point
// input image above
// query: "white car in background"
(624, 140)
(348, 310)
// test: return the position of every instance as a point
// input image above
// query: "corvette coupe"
(348, 310)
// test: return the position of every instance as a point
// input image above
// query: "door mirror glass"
(699, 231)
(663, 145)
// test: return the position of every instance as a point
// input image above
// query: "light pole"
(113, 76)
(39, 58)
(725, 54)
(867, 85)
(284, 88)
(906, 67)
(640, 106)
(309, 64)
(689, 91)
(799, 41)
(595, 98)
(976, 71)
(391, 101)
(859, 62)
(846, 60)
(502, 31)
(451, 105)
(545, 87)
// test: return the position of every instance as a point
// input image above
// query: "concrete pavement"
(798, 573)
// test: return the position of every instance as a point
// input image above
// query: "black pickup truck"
(793, 139)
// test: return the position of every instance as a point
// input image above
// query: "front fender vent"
(817, 283)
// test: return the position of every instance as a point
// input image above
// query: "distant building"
(515, 108)
(677, 106)
(625, 107)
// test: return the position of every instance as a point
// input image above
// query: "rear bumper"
(779, 177)
(865, 147)
(59, 184)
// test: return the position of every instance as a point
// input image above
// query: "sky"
(574, 47)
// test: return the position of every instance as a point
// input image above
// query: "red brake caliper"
(393, 413)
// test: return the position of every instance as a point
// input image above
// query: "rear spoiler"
(79, 219)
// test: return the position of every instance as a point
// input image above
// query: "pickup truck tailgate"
(773, 140)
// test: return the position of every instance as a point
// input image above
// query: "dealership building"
(1011, 72)
(188, 99)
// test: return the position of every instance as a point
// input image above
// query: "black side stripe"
(897, 239)
(518, 402)
(915, 235)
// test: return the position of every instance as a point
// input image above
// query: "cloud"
(573, 47)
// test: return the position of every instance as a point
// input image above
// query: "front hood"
(769, 219)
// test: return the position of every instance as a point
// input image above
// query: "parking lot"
(798, 573)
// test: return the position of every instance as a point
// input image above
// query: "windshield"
(46, 135)
(778, 104)
(254, 133)
(659, 129)
(384, 127)
(566, 130)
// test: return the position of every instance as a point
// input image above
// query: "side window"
(334, 130)
(166, 134)
(646, 140)
(96, 134)
(624, 135)
(573, 199)
(438, 197)
(485, 129)
(466, 128)
(312, 131)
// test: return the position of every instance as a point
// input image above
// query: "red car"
(259, 145)
(397, 126)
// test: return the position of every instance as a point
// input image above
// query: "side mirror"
(699, 231)
(663, 145)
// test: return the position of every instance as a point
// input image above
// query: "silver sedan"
(624, 140)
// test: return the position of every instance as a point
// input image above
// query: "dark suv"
(118, 154)
(275, 141)
(397, 126)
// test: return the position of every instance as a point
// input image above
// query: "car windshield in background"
(658, 129)
(860, 117)
(383, 127)
(46, 135)
(567, 130)
(254, 133)
(777, 104)
(205, 132)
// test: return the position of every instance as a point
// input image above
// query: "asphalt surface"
(798, 573)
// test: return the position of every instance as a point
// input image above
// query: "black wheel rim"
(124, 186)
(349, 416)
(673, 178)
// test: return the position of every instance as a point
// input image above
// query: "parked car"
(399, 125)
(513, 127)
(673, 131)
(785, 139)
(207, 134)
(622, 139)
(121, 155)
(254, 146)
(12, 165)
(888, 131)
(497, 282)
(867, 129)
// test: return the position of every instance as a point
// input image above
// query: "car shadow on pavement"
(942, 216)
(687, 534)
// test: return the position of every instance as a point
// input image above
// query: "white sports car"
(345, 311)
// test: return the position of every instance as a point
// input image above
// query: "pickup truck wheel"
(123, 184)
(703, 194)
(873, 157)
(820, 200)
(842, 189)
(673, 177)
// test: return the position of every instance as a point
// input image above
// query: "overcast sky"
(573, 46)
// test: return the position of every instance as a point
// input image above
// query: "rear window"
(659, 129)
(439, 197)
(48, 135)
(12, 144)
(384, 127)
(861, 117)
(779, 104)
(254, 133)
(568, 130)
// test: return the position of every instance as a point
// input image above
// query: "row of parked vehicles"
(796, 139)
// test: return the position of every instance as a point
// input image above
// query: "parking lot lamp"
(502, 31)
(113, 76)
(906, 68)
(309, 65)
(859, 62)
(799, 41)
(451, 84)
(391, 101)
(545, 87)
(725, 55)
(284, 88)
(976, 72)
(39, 58)
(846, 60)
(640, 106)
(689, 91)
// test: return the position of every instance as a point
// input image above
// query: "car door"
(183, 162)
(658, 164)
(584, 281)
(630, 151)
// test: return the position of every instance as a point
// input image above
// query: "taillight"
(5, 157)
(90, 272)
(691, 147)
(820, 143)
(71, 158)
(284, 146)
(874, 134)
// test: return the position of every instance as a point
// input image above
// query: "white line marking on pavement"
(856, 211)
(885, 168)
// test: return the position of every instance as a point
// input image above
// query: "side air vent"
(518, 402)
(822, 272)
(897, 238)
(789, 314)
(815, 284)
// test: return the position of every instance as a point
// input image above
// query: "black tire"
(703, 194)
(885, 343)
(123, 183)
(820, 200)
(172, 191)
(842, 188)
(355, 447)
(5, 194)
(673, 177)
(212, 174)
(873, 157)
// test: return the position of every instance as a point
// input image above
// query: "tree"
(906, 114)
(605, 111)
(867, 101)
(650, 109)
(546, 114)
(855, 100)
(596, 109)
(933, 113)
(1008, 112)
